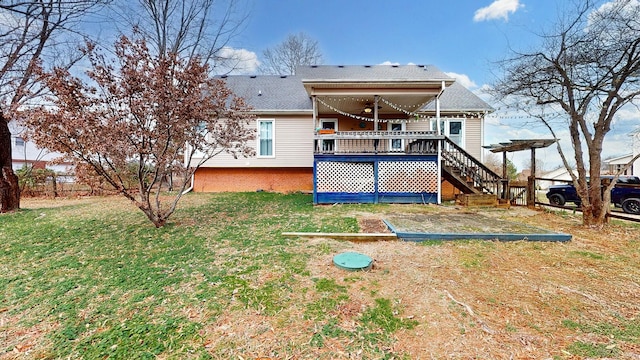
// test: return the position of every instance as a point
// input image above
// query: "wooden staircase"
(467, 173)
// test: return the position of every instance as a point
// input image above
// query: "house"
(26, 154)
(555, 177)
(382, 133)
(614, 165)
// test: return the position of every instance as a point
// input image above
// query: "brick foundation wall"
(243, 179)
(449, 191)
(270, 179)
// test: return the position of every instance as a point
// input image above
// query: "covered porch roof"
(355, 89)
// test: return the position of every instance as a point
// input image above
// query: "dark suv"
(625, 194)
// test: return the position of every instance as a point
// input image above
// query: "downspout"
(186, 165)
(190, 188)
(440, 143)
(438, 127)
(484, 115)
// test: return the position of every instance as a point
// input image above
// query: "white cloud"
(463, 79)
(499, 9)
(389, 63)
(237, 61)
(628, 113)
(607, 7)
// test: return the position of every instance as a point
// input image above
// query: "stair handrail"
(482, 177)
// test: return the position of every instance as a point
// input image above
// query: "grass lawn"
(93, 279)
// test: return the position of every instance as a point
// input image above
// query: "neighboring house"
(356, 134)
(27, 154)
(555, 177)
(614, 165)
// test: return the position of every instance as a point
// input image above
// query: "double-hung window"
(19, 142)
(396, 144)
(266, 138)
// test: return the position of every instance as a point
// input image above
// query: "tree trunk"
(9, 187)
(595, 213)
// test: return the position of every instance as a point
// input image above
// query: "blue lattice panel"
(408, 176)
(376, 178)
(345, 177)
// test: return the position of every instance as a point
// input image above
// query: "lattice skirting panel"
(348, 177)
(408, 176)
(371, 179)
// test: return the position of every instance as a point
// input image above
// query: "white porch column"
(315, 113)
(315, 123)
(375, 113)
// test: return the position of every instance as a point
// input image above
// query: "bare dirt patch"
(454, 220)
(372, 225)
(499, 300)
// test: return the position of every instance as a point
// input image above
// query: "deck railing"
(453, 156)
(377, 142)
(469, 167)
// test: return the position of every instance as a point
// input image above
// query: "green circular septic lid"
(352, 261)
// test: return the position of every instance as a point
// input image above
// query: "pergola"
(520, 145)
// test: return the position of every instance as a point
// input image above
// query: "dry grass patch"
(220, 282)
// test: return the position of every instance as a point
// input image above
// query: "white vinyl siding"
(473, 137)
(419, 126)
(292, 146)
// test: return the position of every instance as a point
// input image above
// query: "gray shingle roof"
(371, 72)
(286, 93)
(270, 92)
(458, 98)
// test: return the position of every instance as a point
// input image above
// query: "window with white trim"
(19, 141)
(452, 128)
(329, 124)
(266, 138)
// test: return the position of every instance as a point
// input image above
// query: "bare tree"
(295, 50)
(540, 165)
(160, 115)
(586, 69)
(189, 28)
(493, 162)
(31, 32)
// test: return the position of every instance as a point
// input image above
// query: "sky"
(463, 38)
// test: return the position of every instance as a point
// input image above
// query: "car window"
(630, 180)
